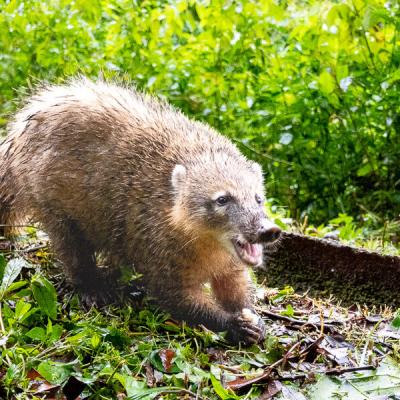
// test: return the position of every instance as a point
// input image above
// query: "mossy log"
(329, 267)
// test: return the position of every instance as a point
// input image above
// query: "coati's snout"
(268, 232)
(226, 204)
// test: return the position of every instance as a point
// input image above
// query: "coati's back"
(84, 146)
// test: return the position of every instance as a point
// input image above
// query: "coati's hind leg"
(78, 258)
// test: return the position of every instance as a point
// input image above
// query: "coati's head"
(223, 196)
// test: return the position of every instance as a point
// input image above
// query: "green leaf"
(95, 340)
(55, 372)
(220, 390)
(16, 285)
(21, 309)
(396, 320)
(289, 312)
(326, 83)
(364, 170)
(11, 271)
(138, 390)
(45, 294)
(56, 333)
(37, 333)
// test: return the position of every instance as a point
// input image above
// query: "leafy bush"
(310, 89)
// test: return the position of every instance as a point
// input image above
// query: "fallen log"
(328, 267)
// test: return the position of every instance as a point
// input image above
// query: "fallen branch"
(326, 266)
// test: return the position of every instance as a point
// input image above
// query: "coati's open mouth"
(249, 253)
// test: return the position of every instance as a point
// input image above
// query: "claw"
(243, 330)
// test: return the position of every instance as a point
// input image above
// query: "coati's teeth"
(248, 253)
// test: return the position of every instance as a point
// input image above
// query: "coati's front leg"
(235, 293)
(77, 256)
(233, 290)
(185, 300)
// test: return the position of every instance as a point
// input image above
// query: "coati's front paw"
(246, 327)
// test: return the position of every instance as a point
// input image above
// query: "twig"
(34, 248)
(263, 155)
(325, 327)
(184, 391)
(340, 371)
(329, 372)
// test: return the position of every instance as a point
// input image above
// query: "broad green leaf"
(21, 309)
(56, 333)
(45, 295)
(396, 320)
(55, 372)
(137, 389)
(53, 332)
(364, 170)
(326, 83)
(37, 333)
(11, 271)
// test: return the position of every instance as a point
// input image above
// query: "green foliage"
(11, 271)
(368, 385)
(55, 372)
(49, 347)
(396, 320)
(309, 89)
(45, 294)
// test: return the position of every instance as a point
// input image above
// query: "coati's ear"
(256, 167)
(178, 176)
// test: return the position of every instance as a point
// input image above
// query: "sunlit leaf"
(11, 271)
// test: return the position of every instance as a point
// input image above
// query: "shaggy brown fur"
(106, 169)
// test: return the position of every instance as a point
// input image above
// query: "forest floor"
(51, 348)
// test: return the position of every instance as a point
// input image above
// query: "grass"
(52, 348)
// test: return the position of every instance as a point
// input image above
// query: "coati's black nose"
(268, 232)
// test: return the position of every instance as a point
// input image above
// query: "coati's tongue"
(253, 249)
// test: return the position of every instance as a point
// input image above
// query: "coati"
(106, 169)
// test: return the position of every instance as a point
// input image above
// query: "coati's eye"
(259, 199)
(222, 200)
